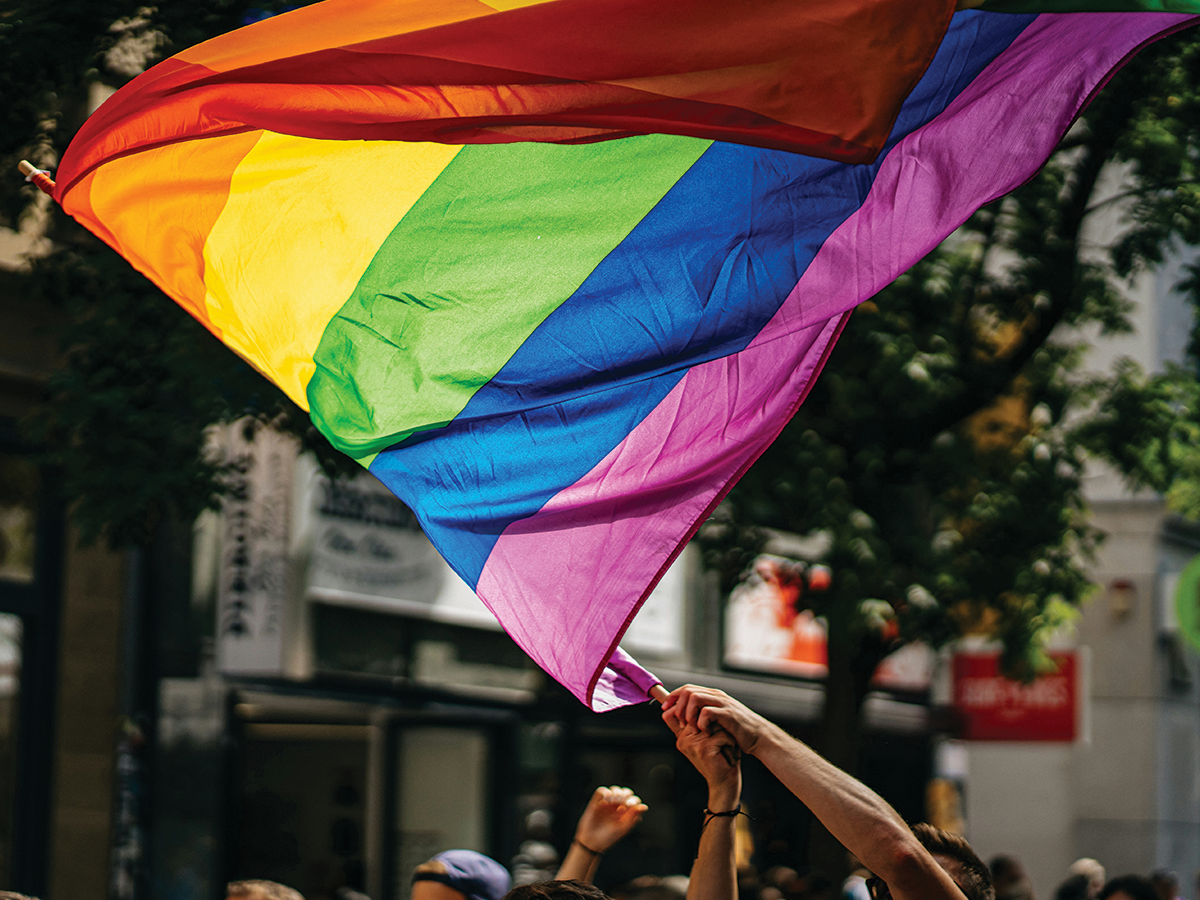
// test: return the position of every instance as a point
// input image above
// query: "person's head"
(1166, 883)
(1077, 887)
(1128, 887)
(652, 887)
(1092, 870)
(259, 889)
(1009, 879)
(557, 890)
(456, 874)
(961, 863)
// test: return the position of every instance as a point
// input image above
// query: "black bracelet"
(709, 815)
(585, 847)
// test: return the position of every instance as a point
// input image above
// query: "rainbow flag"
(824, 77)
(1065, 6)
(560, 352)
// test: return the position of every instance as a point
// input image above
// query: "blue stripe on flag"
(695, 280)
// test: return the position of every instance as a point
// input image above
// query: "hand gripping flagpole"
(40, 177)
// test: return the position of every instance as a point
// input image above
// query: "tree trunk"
(852, 662)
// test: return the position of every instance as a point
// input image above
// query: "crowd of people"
(713, 731)
(1085, 880)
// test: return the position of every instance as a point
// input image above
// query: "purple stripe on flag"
(991, 139)
(592, 546)
(610, 532)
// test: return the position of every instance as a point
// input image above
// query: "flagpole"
(40, 177)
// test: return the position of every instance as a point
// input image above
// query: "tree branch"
(1139, 192)
(988, 381)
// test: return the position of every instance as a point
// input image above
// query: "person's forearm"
(580, 862)
(859, 818)
(714, 873)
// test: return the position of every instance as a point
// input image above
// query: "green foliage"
(1148, 427)
(51, 56)
(935, 452)
(127, 414)
(130, 409)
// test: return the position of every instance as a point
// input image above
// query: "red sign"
(995, 708)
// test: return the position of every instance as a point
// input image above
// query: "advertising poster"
(768, 630)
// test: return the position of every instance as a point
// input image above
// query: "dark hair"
(1135, 886)
(1074, 888)
(1165, 879)
(557, 890)
(974, 879)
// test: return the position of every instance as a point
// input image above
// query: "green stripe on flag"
(502, 237)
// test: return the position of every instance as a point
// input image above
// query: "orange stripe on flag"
(162, 231)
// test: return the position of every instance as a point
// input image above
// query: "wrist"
(591, 847)
(724, 797)
(771, 740)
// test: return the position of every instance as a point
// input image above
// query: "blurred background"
(967, 571)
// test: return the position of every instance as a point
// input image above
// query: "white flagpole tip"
(40, 177)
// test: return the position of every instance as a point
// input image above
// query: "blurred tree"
(141, 381)
(941, 450)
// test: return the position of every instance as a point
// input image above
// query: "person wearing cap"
(610, 814)
(459, 874)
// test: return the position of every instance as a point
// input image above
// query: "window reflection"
(19, 485)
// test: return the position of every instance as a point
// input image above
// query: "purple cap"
(472, 874)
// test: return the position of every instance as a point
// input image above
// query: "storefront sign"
(369, 552)
(996, 708)
(252, 599)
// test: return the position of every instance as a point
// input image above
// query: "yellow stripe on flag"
(303, 220)
(162, 230)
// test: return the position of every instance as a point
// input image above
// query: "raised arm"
(854, 814)
(609, 816)
(717, 758)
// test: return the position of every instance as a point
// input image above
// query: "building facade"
(1126, 790)
(356, 709)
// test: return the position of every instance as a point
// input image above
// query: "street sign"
(996, 708)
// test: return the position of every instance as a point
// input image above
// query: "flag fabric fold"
(560, 355)
(825, 77)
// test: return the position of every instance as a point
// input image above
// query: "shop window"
(442, 796)
(19, 484)
(301, 806)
